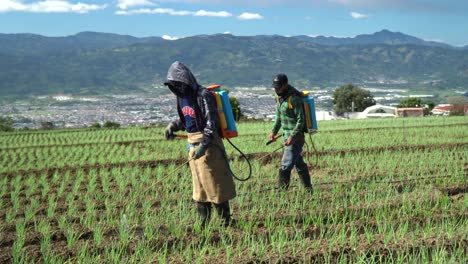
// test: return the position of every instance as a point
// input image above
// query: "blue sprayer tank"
(226, 118)
(309, 109)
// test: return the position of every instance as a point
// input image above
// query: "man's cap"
(279, 80)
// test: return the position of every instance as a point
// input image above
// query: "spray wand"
(273, 140)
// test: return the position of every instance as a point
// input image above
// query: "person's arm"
(176, 125)
(180, 123)
(298, 108)
(277, 124)
(211, 117)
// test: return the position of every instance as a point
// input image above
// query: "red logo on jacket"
(188, 111)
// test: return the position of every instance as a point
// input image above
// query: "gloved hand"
(271, 136)
(170, 129)
(199, 151)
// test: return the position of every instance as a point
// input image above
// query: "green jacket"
(289, 115)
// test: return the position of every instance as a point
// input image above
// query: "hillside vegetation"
(96, 63)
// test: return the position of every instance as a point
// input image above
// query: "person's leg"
(293, 157)
(204, 212)
(224, 212)
(301, 166)
(287, 163)
(304, 175)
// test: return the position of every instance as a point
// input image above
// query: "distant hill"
(100, 63)
(381, 37)
(31, 44)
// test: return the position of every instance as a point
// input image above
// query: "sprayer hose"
(243, 155)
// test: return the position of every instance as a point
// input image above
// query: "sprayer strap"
(196, 144)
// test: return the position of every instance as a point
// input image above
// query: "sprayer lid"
(213, 87)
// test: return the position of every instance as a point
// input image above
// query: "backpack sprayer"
(226, 117)
(309, 111)
(311, 120)
(227, 123)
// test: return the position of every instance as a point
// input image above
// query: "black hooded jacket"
(206, 113)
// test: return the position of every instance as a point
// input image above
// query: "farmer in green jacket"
(290, 116)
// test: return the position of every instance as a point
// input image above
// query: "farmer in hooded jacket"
(198, 116)
(290, 116)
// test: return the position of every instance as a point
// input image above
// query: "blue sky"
(439, 20)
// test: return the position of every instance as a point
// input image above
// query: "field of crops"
(384, 191)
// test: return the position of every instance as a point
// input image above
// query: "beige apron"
(211, 179)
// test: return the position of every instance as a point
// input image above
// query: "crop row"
(60, 156)
(387, 157)
(98, 186)
(385, 221)
(64, 137)
(244, 137)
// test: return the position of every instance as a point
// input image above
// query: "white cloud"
(167, 37)
(249, 16)
(166, 11)
(212, 14)
(48, 6)
(227, 32)
(133, 12)
(125, 4)
(11, 5)
(357, 15)
(172, 12)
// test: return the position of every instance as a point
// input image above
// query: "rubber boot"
(284, 179)
(204, 212)
(224, 213)
(305, 179)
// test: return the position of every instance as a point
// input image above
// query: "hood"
(180, 73)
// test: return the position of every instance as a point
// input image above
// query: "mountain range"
(381, 37)
(102, 63)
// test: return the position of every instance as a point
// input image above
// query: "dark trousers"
(292, 157)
